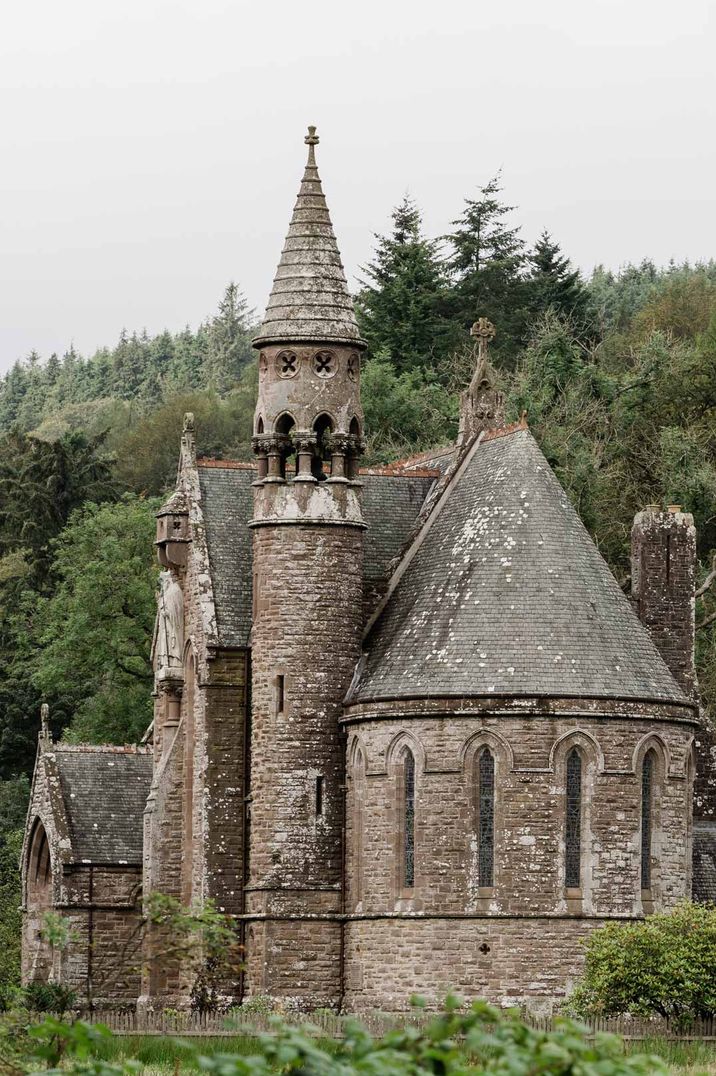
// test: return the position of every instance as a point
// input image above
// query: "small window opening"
(284, 425)
(319, 795)
(647, 787)
(573, 841)
(280, 693)
(409, 820)
(322, 427)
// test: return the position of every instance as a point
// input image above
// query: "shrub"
(48, 997)
(664, 965)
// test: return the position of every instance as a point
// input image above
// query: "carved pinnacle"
(484, 331)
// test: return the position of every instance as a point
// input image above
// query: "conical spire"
(310, 299)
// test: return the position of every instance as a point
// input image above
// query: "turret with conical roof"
(308, 592)
(310, 300)
(309, 363)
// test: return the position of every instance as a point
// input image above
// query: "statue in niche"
(168, 648)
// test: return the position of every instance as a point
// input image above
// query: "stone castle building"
(409, 732)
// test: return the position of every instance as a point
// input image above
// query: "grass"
(692, 1058)
(163, 1054)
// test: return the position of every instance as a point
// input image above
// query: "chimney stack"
(663, 581)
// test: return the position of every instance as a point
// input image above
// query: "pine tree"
(554, 284)
(402, 306)
(486, 265)
(229, 341)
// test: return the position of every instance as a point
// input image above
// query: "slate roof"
(391, 503)
(310, 298)
(105, 792)
(508, 595)
(704, 877)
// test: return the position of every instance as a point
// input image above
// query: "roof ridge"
(96, 748)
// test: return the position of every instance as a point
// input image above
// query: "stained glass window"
(409, 820)
(647, 776)
(573, 841)
(486, 817)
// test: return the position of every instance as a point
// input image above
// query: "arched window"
(573, 827)
(284, 425)
(322, 427)
(486, 817)
(648, 770)
(408, 819)
(358, 809)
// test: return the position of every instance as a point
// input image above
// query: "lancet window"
(573, 828)
(408, 819)
(486, 817)
(647, 793)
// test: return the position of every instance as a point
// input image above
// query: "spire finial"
(311, 141)
(484, 331)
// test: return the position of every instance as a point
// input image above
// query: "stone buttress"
(308, 567)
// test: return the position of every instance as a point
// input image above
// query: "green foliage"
(404, 412)
(95, 631)
(402, 310)
(487, 258)
(553, 283)
(10, 914)
(48, 997)
(147, 455)
(203, 937)
(41, 484)
(665, 964)
(478, 1040)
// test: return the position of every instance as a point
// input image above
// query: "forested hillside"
(617, 374)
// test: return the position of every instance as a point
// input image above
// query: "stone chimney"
(663, 582)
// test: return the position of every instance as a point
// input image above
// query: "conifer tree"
(554, 284)
(486, 265)
(402, 305)
(229, 341)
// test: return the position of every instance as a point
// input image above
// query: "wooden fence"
(330, 1025)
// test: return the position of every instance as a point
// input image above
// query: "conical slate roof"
(508, 595)
(310, 298)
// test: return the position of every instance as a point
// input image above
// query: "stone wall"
(103, 910)
(305, 644)
(511, 961)
(528, 900)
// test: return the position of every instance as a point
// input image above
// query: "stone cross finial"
(45, 721)
(311, 140)
(484, 331)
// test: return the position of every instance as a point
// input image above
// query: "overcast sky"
(152, 149)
